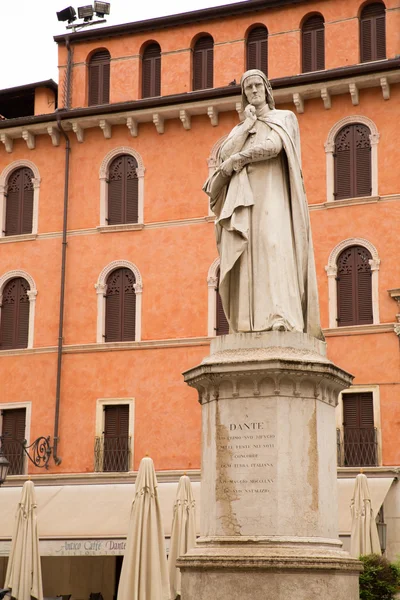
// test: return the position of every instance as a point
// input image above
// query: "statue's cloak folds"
(231, 199)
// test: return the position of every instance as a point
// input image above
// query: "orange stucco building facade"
(174, 139)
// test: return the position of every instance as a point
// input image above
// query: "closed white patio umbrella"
(144, 574)
(24, 573)
(364, 532)
(183, 532)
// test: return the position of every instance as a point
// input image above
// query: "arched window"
(373, 32)
(14, 318)
(203, 63)
(99, 78)
(257, 49)
(123, 190)
(222, 325)
(313, 44)
(19, 203)
(352, 162)
(354, 289)
(120, 306)
(151, 71)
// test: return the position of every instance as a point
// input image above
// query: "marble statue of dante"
(267, 270)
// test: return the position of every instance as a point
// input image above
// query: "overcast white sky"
(27, 50)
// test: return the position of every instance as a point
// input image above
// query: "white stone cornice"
(158, 121)
(132, 125)
(78, 130)
(185, 118)
(385, 88)
(298, 101)
(7, 141)
(326, 98)
(213, 115)
(239, 110)
(106, 128)
(54, 134)
(355, 98)
(29, 138)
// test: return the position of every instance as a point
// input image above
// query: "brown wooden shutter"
(19, 204)
(123, 190)
(120, 306)
(203, 63)
(373, 32)
(222, 325)
(14, 325)
(116, 437)
(358, 429)
(99, 78)
(352, 162)
(354, 290)
(13, 432)
(151, 71)
(313, 44)
(257, 49)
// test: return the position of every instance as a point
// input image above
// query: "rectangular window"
(358, 440)
(13, 437)
(112, 449)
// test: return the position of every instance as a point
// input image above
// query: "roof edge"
(204, 14)
(208, 94)
(50, 83)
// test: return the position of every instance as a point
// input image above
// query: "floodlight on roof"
(102, 8)
(86, 12)
(68, 14)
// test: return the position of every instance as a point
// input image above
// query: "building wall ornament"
(103, 176)
(32, 293)
(101, 289)
(331, 271)
(330, 148)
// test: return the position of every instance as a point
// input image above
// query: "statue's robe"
(267, 270)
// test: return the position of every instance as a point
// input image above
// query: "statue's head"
(256, 76)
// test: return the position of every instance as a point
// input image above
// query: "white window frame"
(28, 413)
(17, 164)
(32, 293)
(103, 176)
(212, 282)
(358, 389)
(330, 149)
(101, 289)
(331, 271)
(100, 404)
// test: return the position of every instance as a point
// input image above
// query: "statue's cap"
(268, 88)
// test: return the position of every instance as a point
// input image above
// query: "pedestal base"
(269, 505)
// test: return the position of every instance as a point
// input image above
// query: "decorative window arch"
(99, 78)
(151, 71)
(203, 62)
(103, 174)
(313, 43)
(31, 293)
(332, 270)
(257, 49)
(216, 315)
(4, 178)
(101, 289)
(330, 150)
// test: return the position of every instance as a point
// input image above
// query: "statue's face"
(254, 90)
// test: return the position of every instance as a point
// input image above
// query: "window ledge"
(380, 471)
(359, 329)
(122, 227)
(24, 237)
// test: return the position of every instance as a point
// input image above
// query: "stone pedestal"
(269, 499)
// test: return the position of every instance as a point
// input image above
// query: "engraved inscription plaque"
(247, 466)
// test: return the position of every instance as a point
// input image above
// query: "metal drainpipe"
(56, 458)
